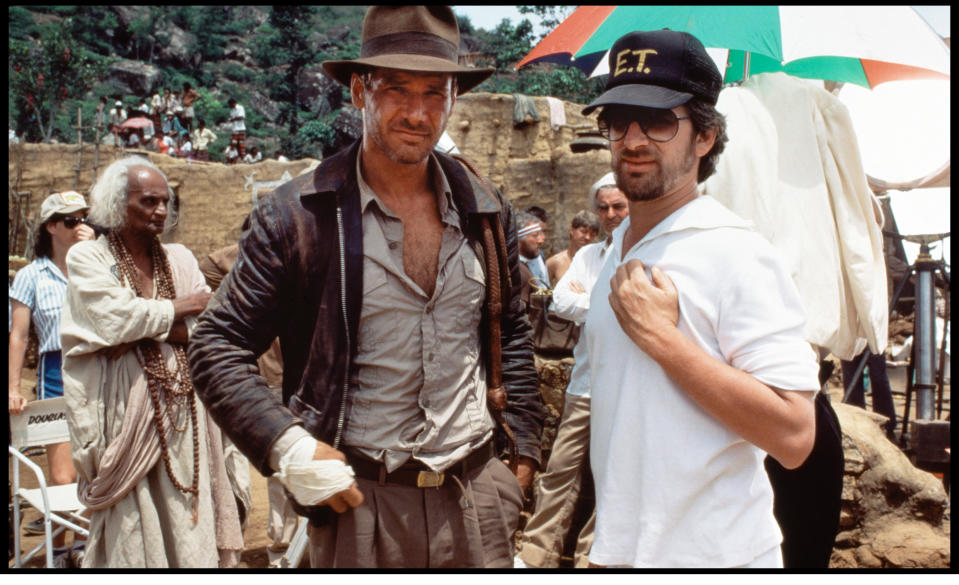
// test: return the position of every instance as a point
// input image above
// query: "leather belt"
(414, 473)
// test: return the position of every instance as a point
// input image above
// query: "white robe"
(151, 526)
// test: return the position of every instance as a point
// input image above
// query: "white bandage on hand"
(309, 480)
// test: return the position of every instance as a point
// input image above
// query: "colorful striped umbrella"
(865, 45)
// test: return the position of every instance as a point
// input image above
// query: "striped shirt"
(42, 287)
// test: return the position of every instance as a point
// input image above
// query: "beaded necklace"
(176, 388)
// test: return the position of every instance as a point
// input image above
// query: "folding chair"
(294, 553)
(43, 422)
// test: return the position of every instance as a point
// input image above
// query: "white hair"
(607, 182)
(108, 198)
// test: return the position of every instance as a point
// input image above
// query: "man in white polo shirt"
(694, 333)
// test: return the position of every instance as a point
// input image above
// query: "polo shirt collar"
(702, 213)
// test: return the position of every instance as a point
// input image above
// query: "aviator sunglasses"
(71, 222)
(658, 125)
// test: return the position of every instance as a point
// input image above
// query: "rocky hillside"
(249, 53)
(212, 48)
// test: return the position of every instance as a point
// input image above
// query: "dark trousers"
(878, 384)
(808, 499)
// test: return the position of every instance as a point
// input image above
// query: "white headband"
(528, 230)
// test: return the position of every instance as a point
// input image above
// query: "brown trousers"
(557, 493)
(466, 522)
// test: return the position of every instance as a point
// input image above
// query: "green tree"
(285, 48)
(310, 139)
(20, 24)
(209, 23)
(507, 44)
(550, 16)
(45, 74)
(92, 27)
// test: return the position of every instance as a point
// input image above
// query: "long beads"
(175, 387)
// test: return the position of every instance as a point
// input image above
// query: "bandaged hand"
(317, 475)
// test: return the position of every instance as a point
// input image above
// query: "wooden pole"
(76, 178)
(96, 154)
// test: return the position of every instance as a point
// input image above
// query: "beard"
(653, 184)
(404, 153)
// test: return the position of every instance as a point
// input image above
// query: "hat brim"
(466, 77)
(634, 94)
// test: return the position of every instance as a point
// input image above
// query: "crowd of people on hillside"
(167, 123)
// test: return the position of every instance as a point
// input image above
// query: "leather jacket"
(298, 277)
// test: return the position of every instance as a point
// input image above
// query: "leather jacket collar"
(469, 193)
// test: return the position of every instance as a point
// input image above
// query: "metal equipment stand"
(927, 438)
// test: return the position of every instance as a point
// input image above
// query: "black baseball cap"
(659, 69)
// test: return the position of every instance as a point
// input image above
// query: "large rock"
(318, 93)
(893, 514)
(259, 103)
(127, 15)
(347, 127)
(134, 77)
(179, 47)
(237, 50)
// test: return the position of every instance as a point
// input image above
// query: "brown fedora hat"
(410, 38)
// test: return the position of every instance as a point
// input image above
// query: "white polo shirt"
(674, 486)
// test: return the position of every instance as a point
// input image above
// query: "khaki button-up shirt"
(420, 385)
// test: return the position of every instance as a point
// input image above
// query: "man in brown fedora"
(390, 275)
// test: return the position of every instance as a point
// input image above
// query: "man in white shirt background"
(238, 118)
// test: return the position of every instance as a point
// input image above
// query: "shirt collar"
(47, 264)
(447, 208)
(701, 213)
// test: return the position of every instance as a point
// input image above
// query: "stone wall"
(532, 164)
(213, 198)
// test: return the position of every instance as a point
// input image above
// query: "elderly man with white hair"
(149, 461)
(559, 488)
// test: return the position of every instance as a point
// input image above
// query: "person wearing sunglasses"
(37, 295)
(695, 334)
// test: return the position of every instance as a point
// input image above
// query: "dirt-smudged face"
(404, 113)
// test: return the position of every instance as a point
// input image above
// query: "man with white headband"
(530, 237)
